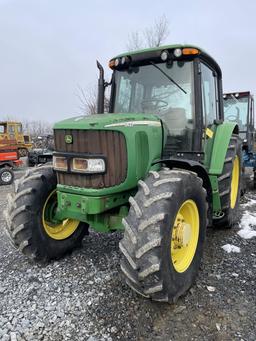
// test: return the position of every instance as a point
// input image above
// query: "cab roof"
(156, 52)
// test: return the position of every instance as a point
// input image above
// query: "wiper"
(167, 76)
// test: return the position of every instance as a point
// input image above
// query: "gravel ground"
(83, 296)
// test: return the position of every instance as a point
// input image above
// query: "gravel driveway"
(83, 296)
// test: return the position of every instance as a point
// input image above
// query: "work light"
(177, 53)
(164, 55)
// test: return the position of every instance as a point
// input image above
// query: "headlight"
(88, 165)
(60, 163)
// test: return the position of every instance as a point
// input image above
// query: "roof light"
(111, 64)
(164, 55)
(190, 51)
(177, 53)
(124, 60)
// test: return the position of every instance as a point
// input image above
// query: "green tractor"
(160, 166)
(239, 108)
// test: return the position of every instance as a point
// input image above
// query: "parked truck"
(161, 166)
(11, 134)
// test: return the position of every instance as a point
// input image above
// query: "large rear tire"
(29, 216)
(164, 235)
(230, 185)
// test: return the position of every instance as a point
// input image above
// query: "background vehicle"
(42, 151)
(9, 160)
(239, 108)
(11, 134)
(161, 165)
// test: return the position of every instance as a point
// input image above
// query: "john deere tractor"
(160, 166)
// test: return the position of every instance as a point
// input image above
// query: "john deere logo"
(68, 139)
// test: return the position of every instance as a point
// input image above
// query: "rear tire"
(229, 208)
(6, 176)
(150, 265)
(26, 218)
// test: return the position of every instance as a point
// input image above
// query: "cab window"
(209, 95)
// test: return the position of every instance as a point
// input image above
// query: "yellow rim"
(234, 182)
(58, 231)
(185, 235)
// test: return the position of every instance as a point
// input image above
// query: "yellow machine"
(11, 135)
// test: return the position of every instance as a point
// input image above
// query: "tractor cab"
(239, 108)
(179, 84)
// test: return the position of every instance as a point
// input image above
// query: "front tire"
(164, 235)
(29, 218)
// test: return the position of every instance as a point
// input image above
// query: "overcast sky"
(48, 48)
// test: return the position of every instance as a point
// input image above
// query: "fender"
(193, 166)
(222, 137)
(6, 163)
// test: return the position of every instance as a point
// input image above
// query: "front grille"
(110, 144)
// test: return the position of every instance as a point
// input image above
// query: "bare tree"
(37, 128)
(152, 36)
(135, 41)
(88, 101)
(158, 33)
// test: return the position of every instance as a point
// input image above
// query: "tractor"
(239, 108)
(161, 166)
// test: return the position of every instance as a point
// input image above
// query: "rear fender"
(222, 137)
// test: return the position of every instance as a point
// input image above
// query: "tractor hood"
(109, 121)
(130, 144)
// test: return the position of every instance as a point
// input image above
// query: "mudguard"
(221, 137)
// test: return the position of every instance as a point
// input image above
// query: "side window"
(138, 96)
(19, 128)
(11, 129)
(209, 95)
(123, 95)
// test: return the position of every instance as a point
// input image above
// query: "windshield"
(168, 93)
(236, 110)
(145, 89)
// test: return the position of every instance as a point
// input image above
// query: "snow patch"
(250, 203)
(247, 222)
(230, 248)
